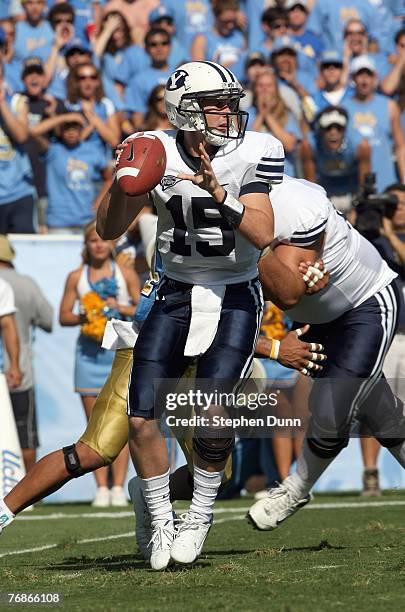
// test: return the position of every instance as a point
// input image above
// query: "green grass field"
(339, 553)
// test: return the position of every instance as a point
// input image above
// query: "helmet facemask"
(193, 108)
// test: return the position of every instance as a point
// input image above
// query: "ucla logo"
(177, 80)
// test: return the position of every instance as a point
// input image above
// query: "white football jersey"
(196, 243)
(302, 212)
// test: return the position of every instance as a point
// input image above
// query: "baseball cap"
(255, 58)
(32, 65)
(77, 44)
(161, 12)
(7, 252)
(331, 56)
(289, 4)
(334, 116)
(282, 43)
(363, 62)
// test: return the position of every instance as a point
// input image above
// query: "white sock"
(399, 453)
(6, 516)
(206, 485)
(156, 493)
(309, 468)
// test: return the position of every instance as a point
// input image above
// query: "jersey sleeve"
(267, 170)
(301, 212)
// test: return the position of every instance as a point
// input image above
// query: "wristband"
(232, 210)
(275, 349)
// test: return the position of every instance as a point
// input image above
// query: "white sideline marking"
(127, 514)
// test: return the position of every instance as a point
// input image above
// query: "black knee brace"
(213, 450)
(72, 461)
(390, 442)
(327, 448)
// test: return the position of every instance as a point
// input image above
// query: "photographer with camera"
(381, 219)
(333, 160)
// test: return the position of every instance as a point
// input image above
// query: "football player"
(107, 430)
(355, 317)
(214, 219)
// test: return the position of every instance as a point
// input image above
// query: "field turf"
(339, 553)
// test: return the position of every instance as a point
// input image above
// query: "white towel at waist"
(120, 334)
(206, 306)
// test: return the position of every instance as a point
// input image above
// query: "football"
(141, 165)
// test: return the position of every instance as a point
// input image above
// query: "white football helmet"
(194, 81)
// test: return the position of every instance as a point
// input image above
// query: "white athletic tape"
(304, 371)
(127, 172)
(299, 332)
(311, 365)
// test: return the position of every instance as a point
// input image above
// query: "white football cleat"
(192, 531)
(280, 503)
(143, 527)
(163, 532)
(101, 498)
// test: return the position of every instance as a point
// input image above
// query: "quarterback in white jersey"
(354, 317)
(195, 242)
(214, 219)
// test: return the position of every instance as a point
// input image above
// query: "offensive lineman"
(355, 318)
(210, 303)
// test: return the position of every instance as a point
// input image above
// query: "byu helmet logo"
(177, 80)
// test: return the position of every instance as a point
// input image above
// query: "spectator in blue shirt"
(85, 93)
(332, 159)
(224, 42)
(357, 42)
(120, 59)
(74, 167)
(307, 42)
(273, 25)
(162, 17)
(335, 90)
(34, 36)
(190, 18)
(157, 45)
(16, 188)
(376, 118)
(329, 17)
(12, 66)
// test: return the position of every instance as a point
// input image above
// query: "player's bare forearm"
(117, 211)
(281, 284)
(257, 226)
(279, 273)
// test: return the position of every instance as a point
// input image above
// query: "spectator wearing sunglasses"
(331, 157)
(377, 119)
(61, 17)
(224, 42)
(328, 20)
(158, 47)
(334, 90)
(357, 42)
(85, 94)
(163, 17)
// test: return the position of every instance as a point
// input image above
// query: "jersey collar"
(192, 162)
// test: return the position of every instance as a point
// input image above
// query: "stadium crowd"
(325, 77)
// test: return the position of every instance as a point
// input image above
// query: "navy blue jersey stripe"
(269, 168)
(272, 178)
(307, 240)
(255, 187)
(313, 229)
